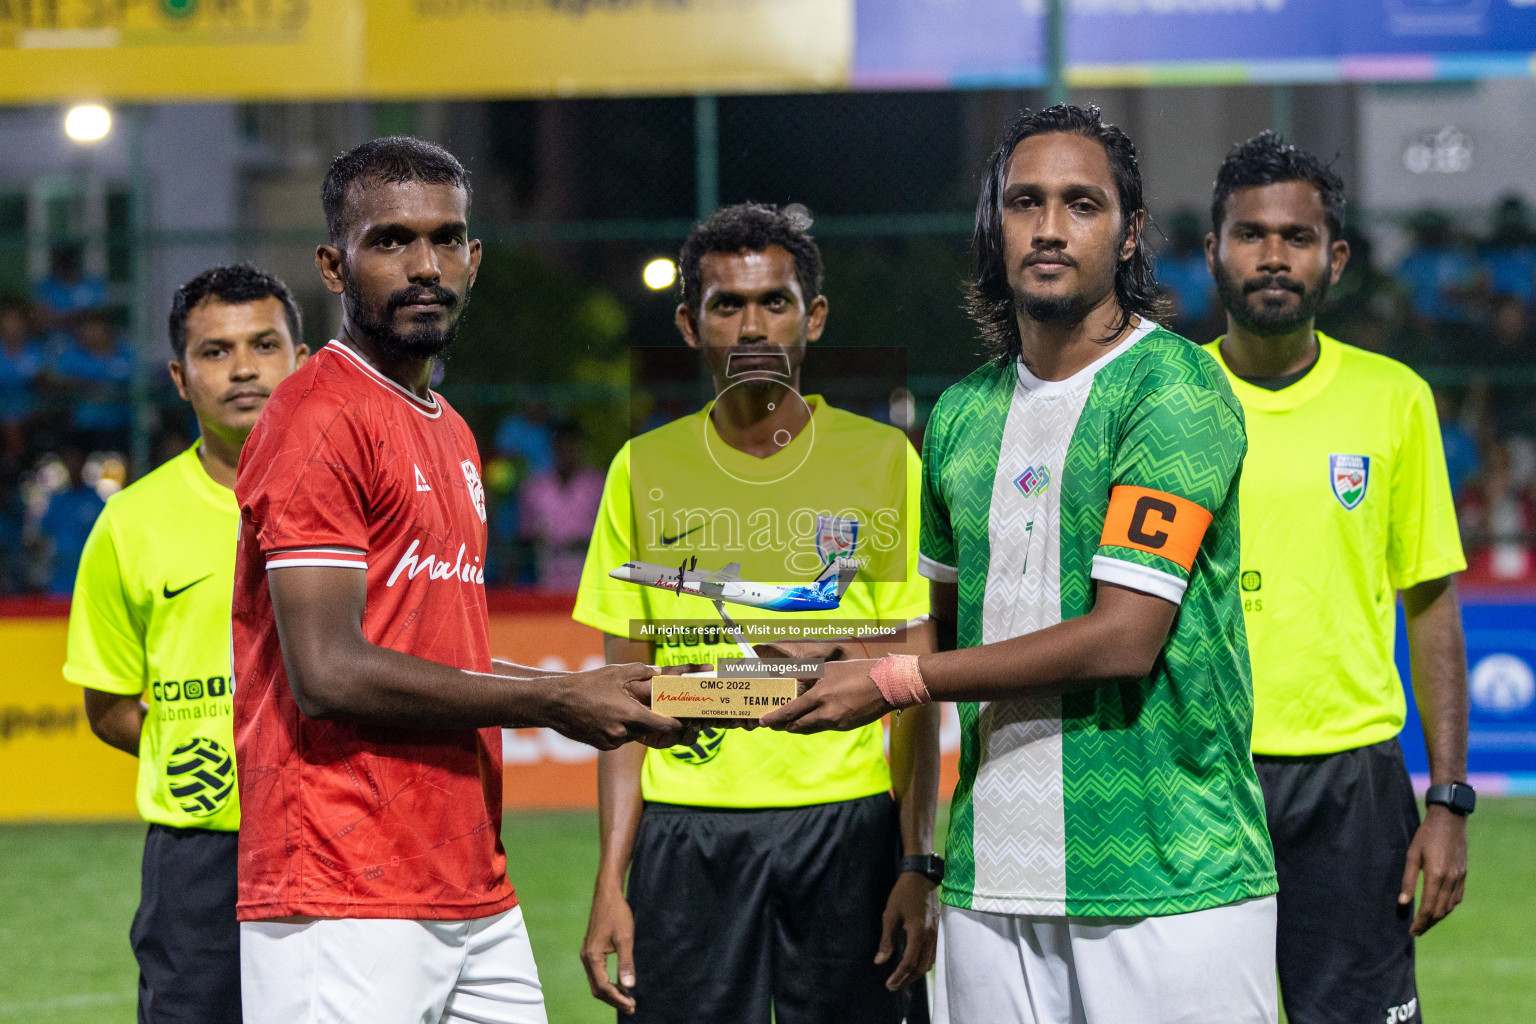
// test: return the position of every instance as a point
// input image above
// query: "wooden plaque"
(710, 697)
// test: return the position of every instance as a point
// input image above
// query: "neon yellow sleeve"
(106, 634)
(602, 601)
(1425, 543)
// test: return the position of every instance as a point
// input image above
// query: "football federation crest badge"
(1033, 481)
(836, 538)
(1349, 475)
(476, 488)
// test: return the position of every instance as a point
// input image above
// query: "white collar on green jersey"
(1050, 388)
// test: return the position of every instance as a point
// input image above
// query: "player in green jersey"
(1107, 856)
(149, 640)
(1346, 503)
(762, 868)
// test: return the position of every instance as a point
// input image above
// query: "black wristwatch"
(928, 865)
(1459, 797)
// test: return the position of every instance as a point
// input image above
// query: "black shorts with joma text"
(185, 935)
(747, 916)
(1341, 824)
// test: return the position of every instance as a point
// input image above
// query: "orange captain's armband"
(1148, 520)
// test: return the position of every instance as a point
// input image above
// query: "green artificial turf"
(67, 894)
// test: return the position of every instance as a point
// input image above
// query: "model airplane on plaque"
(738, 689)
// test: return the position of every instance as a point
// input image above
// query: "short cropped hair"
(1267, 159)
(238, 283)
(395, 159)
(750, 227)
(989, 298)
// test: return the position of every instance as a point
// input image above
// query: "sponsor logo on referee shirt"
(201, 776)
(1403, 1013)
(702, 750)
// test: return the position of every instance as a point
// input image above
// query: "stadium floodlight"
(88, 122)
(659, 273)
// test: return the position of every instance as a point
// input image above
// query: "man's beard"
(1266, 321)
(1066, 310)
(421, 342)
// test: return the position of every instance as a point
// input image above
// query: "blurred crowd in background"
(1459, 307)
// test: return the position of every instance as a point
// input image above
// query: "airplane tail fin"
(843, 570)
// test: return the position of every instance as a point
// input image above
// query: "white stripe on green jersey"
(1131, 799)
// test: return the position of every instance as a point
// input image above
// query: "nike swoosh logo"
(165, 588)
(667, 542)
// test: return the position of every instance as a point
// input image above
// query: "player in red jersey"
(373, 884)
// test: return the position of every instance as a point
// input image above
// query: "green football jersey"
(150, 617)
(1126, 800)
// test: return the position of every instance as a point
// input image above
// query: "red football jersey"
(338, 818)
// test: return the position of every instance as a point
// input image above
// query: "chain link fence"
(572, 199)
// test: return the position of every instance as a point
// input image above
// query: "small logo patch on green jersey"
(1251, 580)
(1033, 481)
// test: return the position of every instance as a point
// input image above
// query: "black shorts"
(1341, 824)
(742, 917)
(185, 935)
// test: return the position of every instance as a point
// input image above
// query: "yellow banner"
(179, 49)
(559, 47)
(294, 49)
(52, 768)
(51, 765)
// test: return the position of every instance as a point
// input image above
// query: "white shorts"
(1206, 967)
(365, 971)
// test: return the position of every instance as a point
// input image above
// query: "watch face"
(1458, 797)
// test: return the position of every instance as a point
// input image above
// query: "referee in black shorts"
(770, 876)
(149, 640)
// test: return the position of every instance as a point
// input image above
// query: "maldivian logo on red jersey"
(476, 488)
(412, 565)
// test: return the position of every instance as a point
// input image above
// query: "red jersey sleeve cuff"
(327, 555)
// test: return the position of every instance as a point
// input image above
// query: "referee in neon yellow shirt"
(1345, 503)
(149, 640)
(762, 868)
